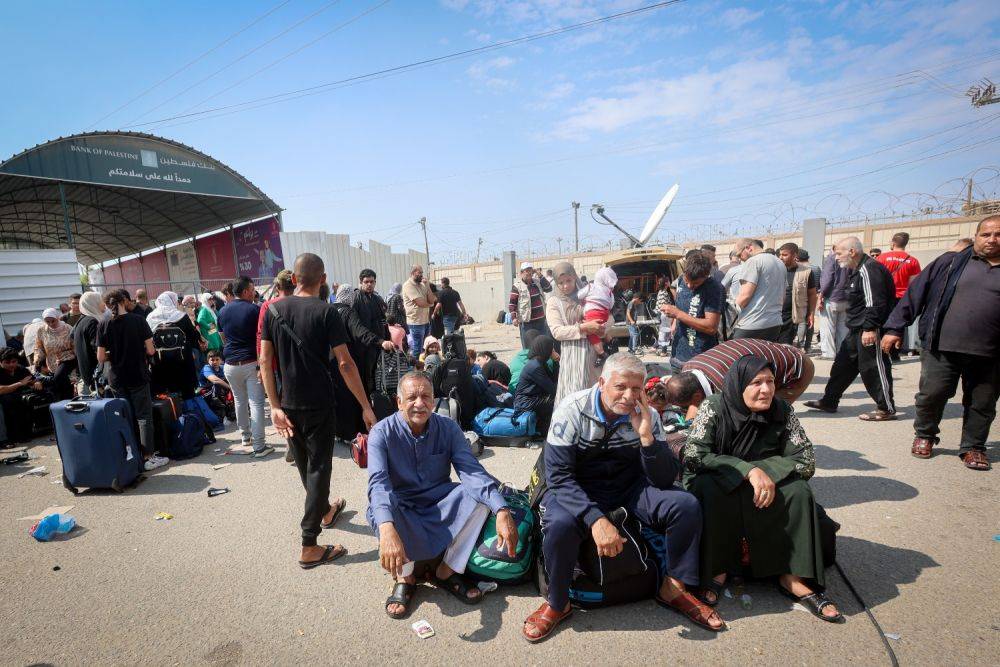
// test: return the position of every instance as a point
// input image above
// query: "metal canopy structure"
(112, 194)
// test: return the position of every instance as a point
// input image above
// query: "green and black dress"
(783, 538)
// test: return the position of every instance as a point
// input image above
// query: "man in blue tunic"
(415, 509)
(606, 449)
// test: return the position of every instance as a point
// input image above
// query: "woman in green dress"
(748, 460)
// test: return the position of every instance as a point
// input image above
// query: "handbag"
(359, 450)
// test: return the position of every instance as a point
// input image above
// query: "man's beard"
(418, 279)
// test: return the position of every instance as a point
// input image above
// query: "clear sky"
(766, 113)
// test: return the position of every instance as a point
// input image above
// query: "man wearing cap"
(526, 304)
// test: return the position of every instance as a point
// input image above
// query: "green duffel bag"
(488, 563)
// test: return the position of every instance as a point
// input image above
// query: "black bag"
(391, 366)
(453, 346)
(169, 342)
(453, 378)
(502, 317)
(383, 405)
(37, 404)
(164, 425)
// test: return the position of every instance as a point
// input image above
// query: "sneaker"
(154, 462)
(263, 452)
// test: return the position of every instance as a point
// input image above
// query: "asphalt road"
(219, 585)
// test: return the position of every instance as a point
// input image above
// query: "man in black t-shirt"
(305, 411)
(126, 342)
(15, 382)
(449, 306)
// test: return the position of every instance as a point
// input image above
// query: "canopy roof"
(112, 194)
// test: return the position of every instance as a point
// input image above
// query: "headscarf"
(495, 370)
(739, 427)
(430, 340)
(51, 312)
(345, 294)
(207, 300)
(397, 288)
(529, 337)
(90, 305)
(166, 311)
(541, 349)
(559, 270)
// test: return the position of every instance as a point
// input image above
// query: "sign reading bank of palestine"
(137, 162)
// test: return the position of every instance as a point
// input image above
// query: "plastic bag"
(54, 524)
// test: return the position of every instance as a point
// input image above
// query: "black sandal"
(402, 594)
(459, 586)
(815, 603)
(330, 554)
(336, 515)
(713, 587)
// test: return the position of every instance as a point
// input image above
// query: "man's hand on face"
(609, 542)
(642, 422)
(507, 532)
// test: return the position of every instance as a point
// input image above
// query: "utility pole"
(427, 251)
(559, 241)
(576, 225)
(479, 245)
(982, 94)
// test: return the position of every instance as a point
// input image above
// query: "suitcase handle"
(77, 406)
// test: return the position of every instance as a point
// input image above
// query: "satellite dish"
(657, 216)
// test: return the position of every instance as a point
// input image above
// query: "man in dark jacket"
(370, 309)
(954, 291)
(832, 305)
(870, 297)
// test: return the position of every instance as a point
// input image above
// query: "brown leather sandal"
(975, 459)
(922, 447)
(694, 609)
(544, 619)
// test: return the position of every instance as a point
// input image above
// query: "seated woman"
(415, 509)
(747, 460)
(537, 389)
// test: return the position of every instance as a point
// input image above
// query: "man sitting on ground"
(219, 394)
(15, 383)
(606, 449)
(415, 509)
(705, 374)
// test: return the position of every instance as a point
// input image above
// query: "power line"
(399, 69)
(132, 123)
(192, 62)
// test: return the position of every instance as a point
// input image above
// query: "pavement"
(219, 584)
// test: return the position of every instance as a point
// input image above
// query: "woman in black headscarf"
(536, 390)
(496, 371)
(748, 460)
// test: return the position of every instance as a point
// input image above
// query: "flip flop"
(330, 554)
(877, 416)
(336, 515)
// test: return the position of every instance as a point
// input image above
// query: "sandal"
(330, 554)
(975, 459)
(922, 447)
(713, 587)
(402, 594)
(544, 619)
(877, 416)
(696, 611)
(814, 603)
(819, 405)
(336, 515)
(459, 586)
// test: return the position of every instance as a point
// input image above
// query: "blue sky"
(766, 113)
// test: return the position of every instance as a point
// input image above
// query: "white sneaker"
(154, 462)
(263, 452)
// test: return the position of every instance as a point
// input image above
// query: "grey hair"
(624, 363)
(414, 375)
(852, 243)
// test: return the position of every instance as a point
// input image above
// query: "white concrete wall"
(33, 280)
(344, 261)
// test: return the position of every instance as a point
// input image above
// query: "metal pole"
(576, 225)
(65, 210)
(427, 249)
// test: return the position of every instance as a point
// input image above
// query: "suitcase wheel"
(116, 486)
(69, 487)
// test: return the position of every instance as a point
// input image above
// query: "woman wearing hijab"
(208, 323)
(564, 314)
(496, 372)
(54, 349)
(174, 373)
(748, 460)
(85, 338)
(537, 388)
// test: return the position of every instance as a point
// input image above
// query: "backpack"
(488, 563)
(169, 342)
(189, 438)
(448, 407)
(200, 406)
(453, 378)
(359, 450)
(453, 346)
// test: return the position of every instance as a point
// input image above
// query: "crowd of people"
(735, 500)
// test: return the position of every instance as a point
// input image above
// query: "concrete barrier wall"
(33, 280)
(344, 261)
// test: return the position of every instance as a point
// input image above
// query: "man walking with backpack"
(238, 326)
(300, 331)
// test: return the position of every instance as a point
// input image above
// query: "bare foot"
(673, 588)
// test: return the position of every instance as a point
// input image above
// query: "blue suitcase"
(96, 443)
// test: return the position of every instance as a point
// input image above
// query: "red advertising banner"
(258, 249)
(215, 258)
(157, 273)
(112, 275)
(132, 274)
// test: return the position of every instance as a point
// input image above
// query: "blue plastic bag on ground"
(54, 524)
